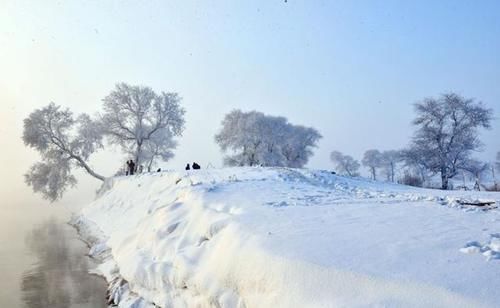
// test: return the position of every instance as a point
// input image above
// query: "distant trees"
(496, 166)
(136, 118)
(415, 165)
(345, 164)
(497, 163)
(64, 142)
(372, 159)
(387, 161)
(477, 169)
(259, 139)
(447, 133)
(390, 160)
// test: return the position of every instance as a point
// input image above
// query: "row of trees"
(145, 125)
(392, 163)
(446, 136)
(373, 159)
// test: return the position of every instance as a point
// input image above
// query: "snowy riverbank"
(272, 237)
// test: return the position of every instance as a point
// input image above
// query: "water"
(42, 261)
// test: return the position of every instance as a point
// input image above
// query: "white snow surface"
(278, 237)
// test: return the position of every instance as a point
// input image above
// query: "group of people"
(132, 167)
(195, 166)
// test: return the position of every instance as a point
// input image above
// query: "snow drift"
(277, 237)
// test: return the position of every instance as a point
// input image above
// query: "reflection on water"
(60, 276)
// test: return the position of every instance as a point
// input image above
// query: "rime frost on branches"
(160, 145)
(447, 133)
(345, 164)
(477, 169)
(497, 163)
(63, 143)
(143, 122)
(257, 139)
(389, 163)
(372, 159)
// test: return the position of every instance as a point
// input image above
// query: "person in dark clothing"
(187, 167)
(196, 166)
(128, 167)
(132, 167)
(159, 170)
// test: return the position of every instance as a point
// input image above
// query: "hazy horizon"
(351, 69)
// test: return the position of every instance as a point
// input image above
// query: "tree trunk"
(87, 168)
(444, 179)
(422, 176)
(494, 178)
(138, 154)
(150, 164)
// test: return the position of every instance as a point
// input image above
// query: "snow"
(279, 237)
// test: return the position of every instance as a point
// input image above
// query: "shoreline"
(118, 290)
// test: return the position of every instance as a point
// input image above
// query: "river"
(42, 261)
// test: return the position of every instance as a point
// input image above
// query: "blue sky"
(352, 69)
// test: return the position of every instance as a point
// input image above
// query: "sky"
(351, 69)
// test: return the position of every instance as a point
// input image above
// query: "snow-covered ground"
(275, 237)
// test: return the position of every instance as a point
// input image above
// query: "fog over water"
(43, 263)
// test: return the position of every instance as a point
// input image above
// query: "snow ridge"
(279, 237)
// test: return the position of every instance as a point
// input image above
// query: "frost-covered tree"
(297, 145)
(345, 164)
(497, 163)
(390, 160)
(258, 139)
(135, 118)
(447, 132)
(63, 143)
(241, 132)
(416, 163)
(372, 159)
(477, 169)
(159, 145)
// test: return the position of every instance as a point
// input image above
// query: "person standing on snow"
(131, 167)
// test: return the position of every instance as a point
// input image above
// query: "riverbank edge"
(118, 292)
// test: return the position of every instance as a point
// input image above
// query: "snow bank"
(274, 237)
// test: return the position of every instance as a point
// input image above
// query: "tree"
(447, 132)
(477, 169)
(389, 161)
(497, 163)
(298, 144)
(496, 166)
(63, 143)
(136, 117)
(345, 164)
(415, 161)
(372, 159)
(258, 139)
(160, 145)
